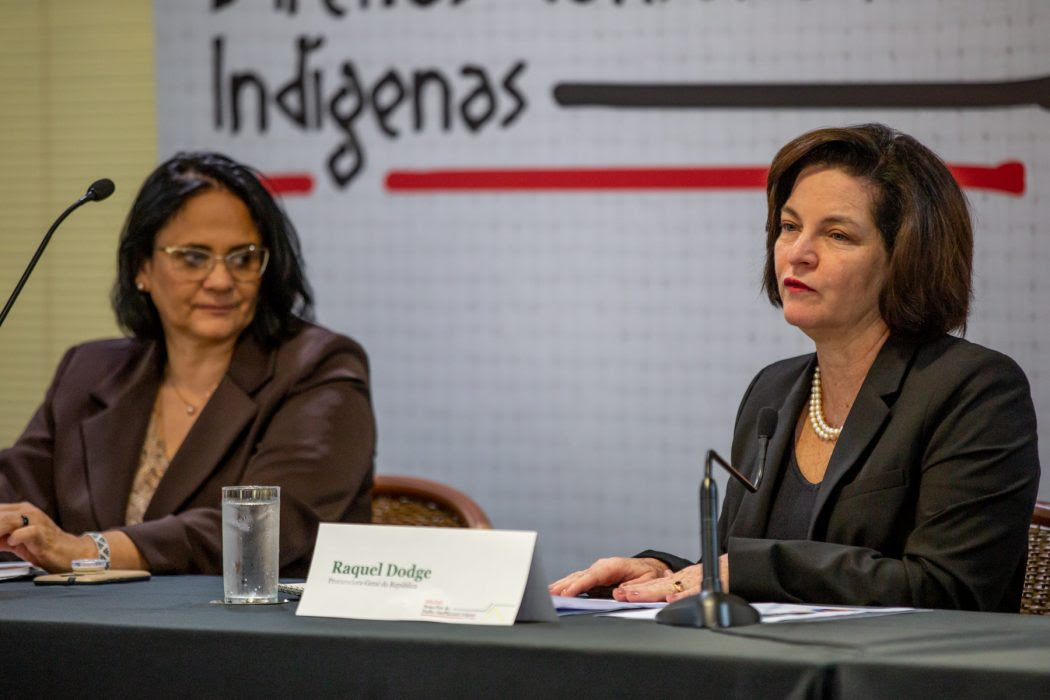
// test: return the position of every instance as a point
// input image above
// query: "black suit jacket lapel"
(113, 436)
(753, 515)
(229, 411)
(869, 413)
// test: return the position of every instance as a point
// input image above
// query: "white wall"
(567, 356)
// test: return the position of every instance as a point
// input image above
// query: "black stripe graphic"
(1035, 91)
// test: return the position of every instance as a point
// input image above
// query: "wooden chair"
(409, 500)
(1035, 599)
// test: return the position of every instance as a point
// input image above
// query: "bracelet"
(103, 546)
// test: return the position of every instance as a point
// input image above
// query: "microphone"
(99, 190)
(714, 607)
(767, 425)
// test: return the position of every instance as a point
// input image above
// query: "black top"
(793, 503)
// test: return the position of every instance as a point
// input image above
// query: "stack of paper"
(11, 570)
(771, 612)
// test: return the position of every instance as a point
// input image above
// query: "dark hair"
(917, 207)
(284, 300)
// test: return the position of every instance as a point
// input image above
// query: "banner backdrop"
(544, 218)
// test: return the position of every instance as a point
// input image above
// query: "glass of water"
(251, 528)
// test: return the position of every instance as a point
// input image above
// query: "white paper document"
(788, 612)
(454, 575)
(770, 612)
(581, 606)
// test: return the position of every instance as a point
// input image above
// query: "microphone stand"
(713, 608)
(99, 190)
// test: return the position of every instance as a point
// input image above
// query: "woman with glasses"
(223, 380)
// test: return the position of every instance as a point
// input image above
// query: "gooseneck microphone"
(767, 425)
(714, 607)
(99, 190)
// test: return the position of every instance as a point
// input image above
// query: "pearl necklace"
(816, 411)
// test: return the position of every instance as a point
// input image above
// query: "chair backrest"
(409, 500)
(1035, 599)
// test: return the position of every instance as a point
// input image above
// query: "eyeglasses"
(244, 264)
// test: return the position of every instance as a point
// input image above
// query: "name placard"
(454, 575)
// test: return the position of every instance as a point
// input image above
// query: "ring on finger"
(25, 520)
(678, 586)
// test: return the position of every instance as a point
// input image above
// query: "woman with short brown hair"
(903, 469)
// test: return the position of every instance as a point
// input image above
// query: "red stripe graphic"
(289, 183)
(578, 179)
(1006, 178)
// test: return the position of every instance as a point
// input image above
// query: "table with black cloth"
(164, 637)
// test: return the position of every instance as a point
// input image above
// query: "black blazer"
(928, 496)
(298, 416)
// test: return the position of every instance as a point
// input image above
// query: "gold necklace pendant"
(190, 408)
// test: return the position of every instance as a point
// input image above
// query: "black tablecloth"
(165, 637)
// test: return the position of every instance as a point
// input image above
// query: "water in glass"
(250, 535)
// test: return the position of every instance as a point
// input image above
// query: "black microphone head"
(100, 189)
(767, 422)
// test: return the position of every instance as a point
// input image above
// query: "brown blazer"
(298, 416)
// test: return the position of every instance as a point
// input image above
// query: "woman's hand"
(40, 542)
(671, 587)
(609, 572)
